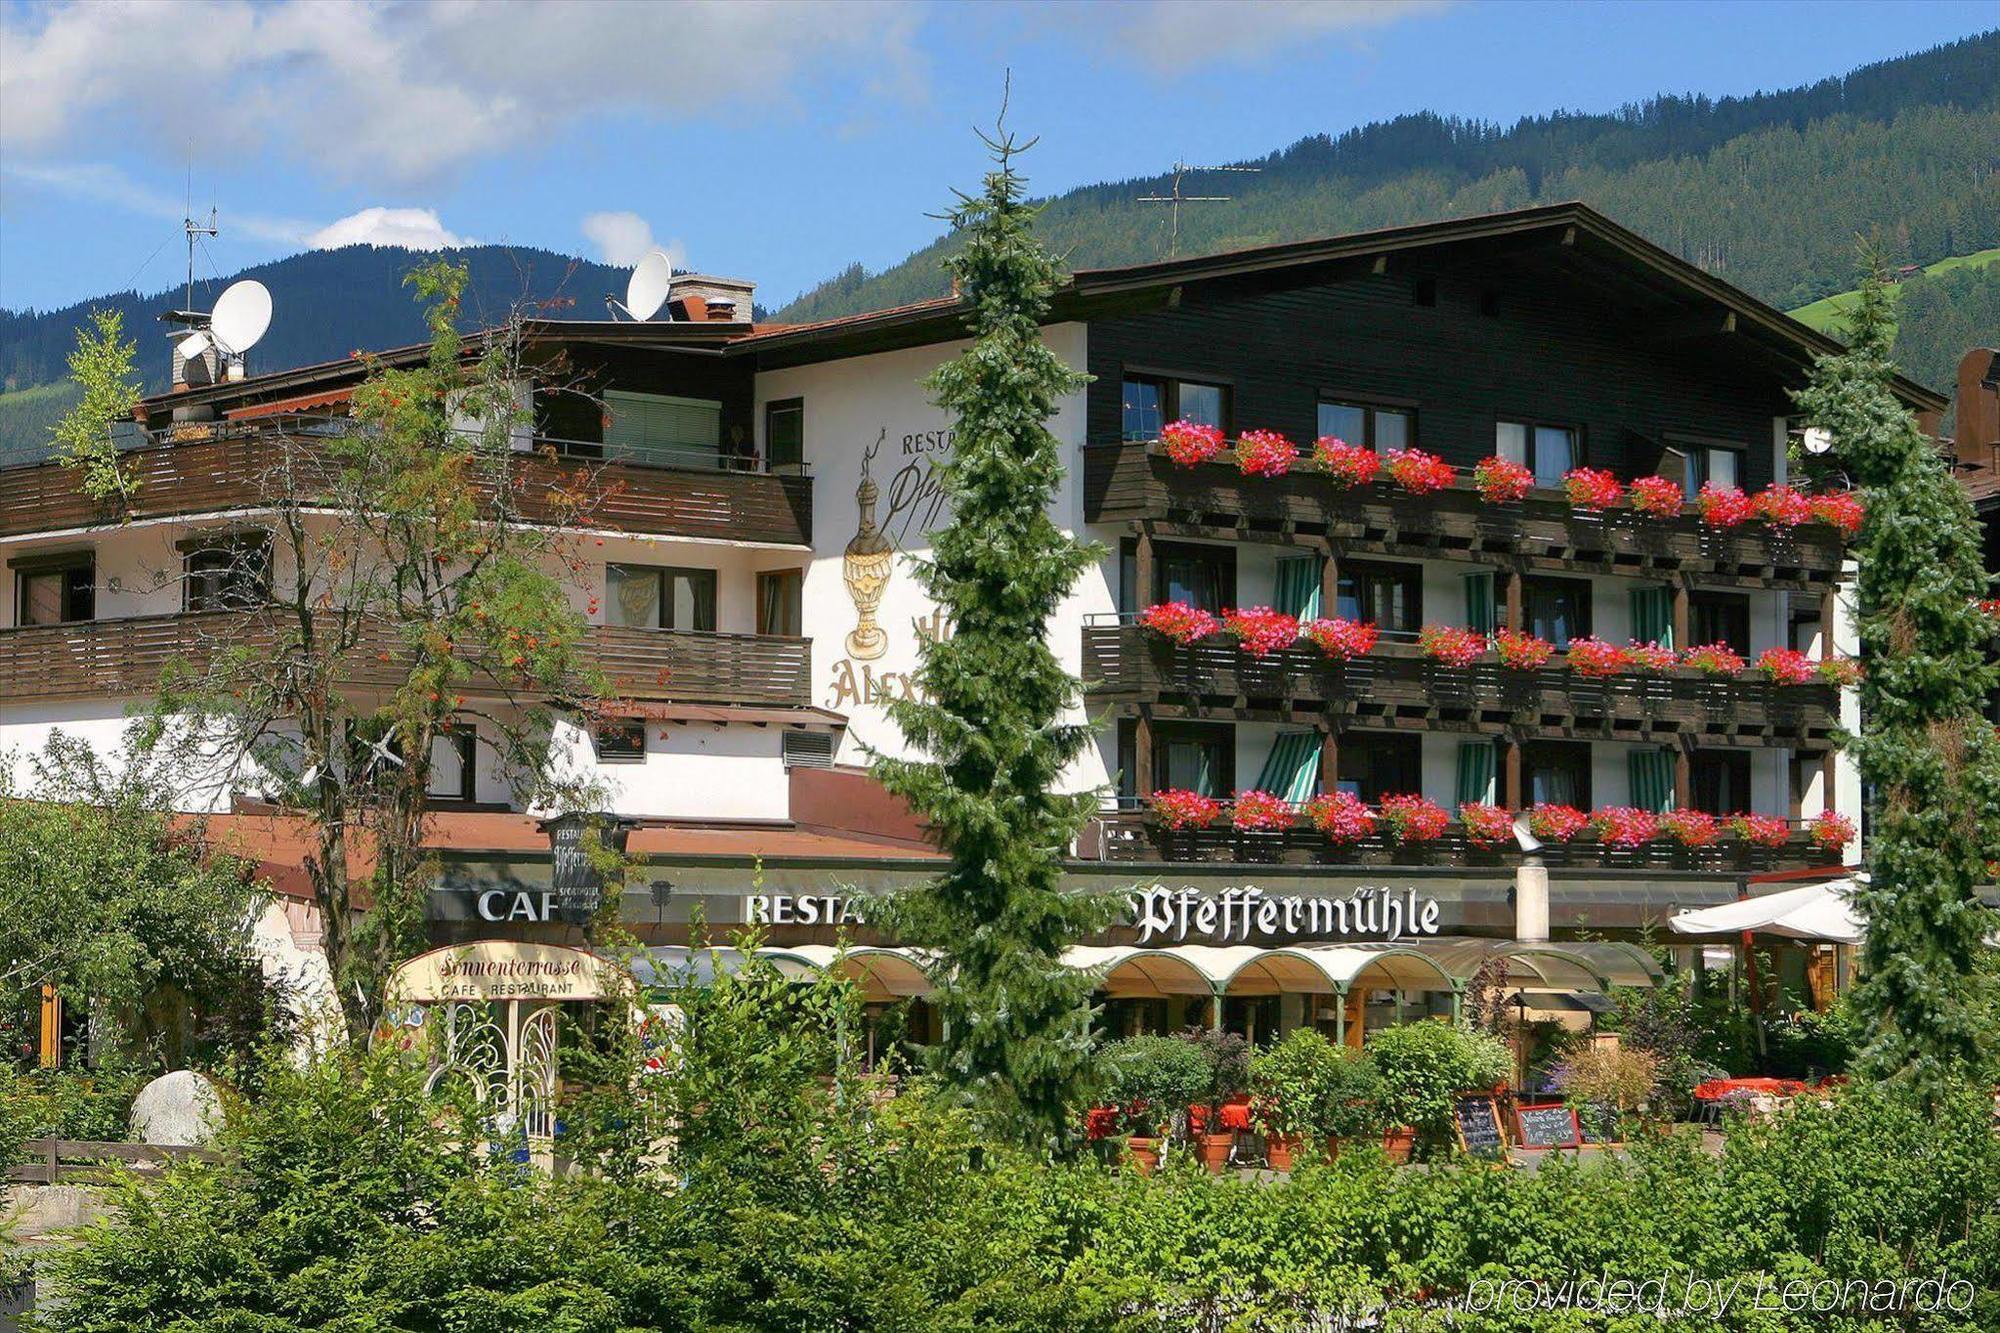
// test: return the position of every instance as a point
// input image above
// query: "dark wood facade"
(112, 658)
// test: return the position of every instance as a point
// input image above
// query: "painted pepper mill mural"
(866, 565)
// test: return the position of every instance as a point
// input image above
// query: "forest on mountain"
(1768, 192)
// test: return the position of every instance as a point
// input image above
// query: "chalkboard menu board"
(1598, 1124)
(1479, 1127)
(1547, 1127)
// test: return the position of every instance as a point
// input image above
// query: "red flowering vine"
(1661, 497)
(1502, 480)
(1830, 831)
(1783, 506)
(1691, 828)
(1594, 658)
(1556, 823)
(1341, 640)
(1486, 825)
(1414, 818)
(1786, 666)
(1592, 488)
(1452, 645)
(1180, 622)
(1341, 816)
(1840, 509)
(1761, 830)
(1625, 826)
(1521, 650)
(1177, 808)
(1349, 465)
(1261, 630)
(1419, 473)
(1724, 506)
(1713, 659)
(1260, 811)
(1190, 443)
(1265, 453)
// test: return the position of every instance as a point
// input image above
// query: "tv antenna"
(647, 289)
(1181, 172)
(196, 229)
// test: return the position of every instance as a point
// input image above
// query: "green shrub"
(1424, 1064)
(1288, 1082)
(1156, 1079)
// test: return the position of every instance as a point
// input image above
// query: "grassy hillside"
(1827, 313)
(1767, 191)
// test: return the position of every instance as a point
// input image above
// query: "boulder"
(181, 1110)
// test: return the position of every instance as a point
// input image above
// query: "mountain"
(1768, 191)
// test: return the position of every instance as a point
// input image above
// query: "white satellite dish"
(652, 278)
(1819, 440)
(242, 313)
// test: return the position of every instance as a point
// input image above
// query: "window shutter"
(661, 430)
(1292, 769)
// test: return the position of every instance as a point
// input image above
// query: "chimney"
(703, 297)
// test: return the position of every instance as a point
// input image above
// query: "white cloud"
(410, 228)
(404, 94)
(623, 238)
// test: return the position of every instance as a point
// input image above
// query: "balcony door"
(660, 597)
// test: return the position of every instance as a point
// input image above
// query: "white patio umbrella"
(1815, 912)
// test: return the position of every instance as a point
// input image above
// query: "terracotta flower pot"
(1280, 1149)
(1214, 1149)
(1332, 1148)
(1398, 1143)
(1145, 1154)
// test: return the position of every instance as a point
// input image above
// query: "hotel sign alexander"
(1162, 915)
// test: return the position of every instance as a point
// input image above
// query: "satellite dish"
(242, 313)
(1818, 440)
(652, 278)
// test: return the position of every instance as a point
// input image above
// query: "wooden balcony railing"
(1136, 482)
(1132, 835)
(1395, 685)
(117, 658)
(229, 465)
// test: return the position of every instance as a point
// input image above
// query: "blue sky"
(768, 141)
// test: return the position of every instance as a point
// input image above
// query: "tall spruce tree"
(1926, 750)
(1017, 1037)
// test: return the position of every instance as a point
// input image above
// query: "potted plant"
(1260, 630)
(1288, 1091)
(1592, 488)
(1502, 480)
(1155, 1079)
(1260, 820)
(1189, 443)
(1413, 819)
(1723, 506)
(1178, 621)
(1452, 645)
(1349, 1101)
(1349, 465)
(1556, 823)
(1783, 506)
(1423, 1067)
(1717, 660)
(1265, 453)
(1691, 828)
(1661, 497)
(1605, 1082)
(1761, 830)
(1786, 666)
(1594, 659)
(1339, 640)
(1830, 832)
(1342, 817)
(1417, 472)
(1226, 1058)
(1842, 510)
(1521, 651)
(1625, 826)
(1838, 671)
(1486, 826)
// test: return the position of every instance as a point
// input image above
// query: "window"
(780, 597)
(1370, 765)
(54, 588)
(452, 765)
(656, 597)
(1201, 576)
(619, 740)
(662, 431)
(1720, 617)
(1188, 756)
(1721, 464)
(226, 573)
(1371, 424)
(1389, 596)
(1556, 609)
(1556, 773)
(1720, 781)
(1549, 451)
(1149, 402)
(785, 434)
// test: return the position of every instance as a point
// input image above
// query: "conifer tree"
(1927, 751)
(1017, 1038)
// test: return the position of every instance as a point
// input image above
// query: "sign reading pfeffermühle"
(576, 878)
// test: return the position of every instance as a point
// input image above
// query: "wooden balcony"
(1137, 483)
(1395, 686)
(228, 465)
(124, 658)
(1133, 836)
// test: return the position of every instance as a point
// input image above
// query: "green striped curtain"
(1298, 585)
(1475, 771)
(1652, 773)
(1479, 613)
(1292, 771)
(1653, 616)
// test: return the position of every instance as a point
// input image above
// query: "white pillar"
(1531, 901)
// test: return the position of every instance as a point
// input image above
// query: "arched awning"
(882, 974)
(1126, 972)
(1384, 966)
